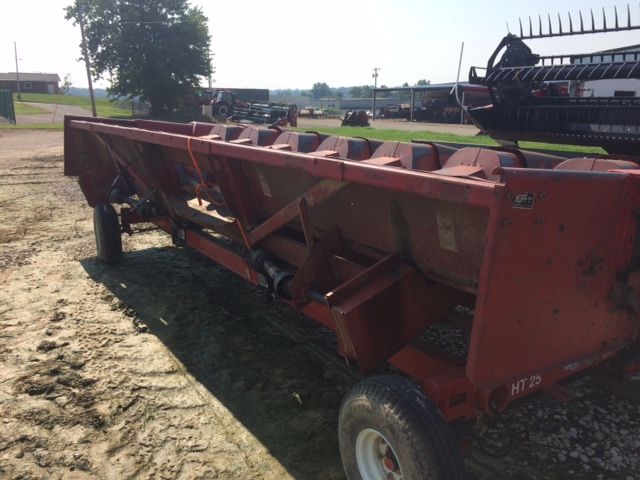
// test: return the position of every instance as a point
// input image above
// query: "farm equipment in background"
(402, 110)
(516, 77)
(223, 105)
(206, 95)
(311, 112)
(355, 118)
(441, 106)
(433, 110)
(532, 261)
(266, 113)
(437, 103)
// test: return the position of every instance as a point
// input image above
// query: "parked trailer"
(380, 241)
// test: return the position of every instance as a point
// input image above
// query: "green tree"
(66, 85)
(423, 81)
(153, 49)
(320, 89)
(363, 91)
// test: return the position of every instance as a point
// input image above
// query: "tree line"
(322, 90)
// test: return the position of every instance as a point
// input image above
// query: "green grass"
(407, 136)
(104, 107)
(111, 111)
(561, 148)
(26, 109)
(32, 126)
(402, 135)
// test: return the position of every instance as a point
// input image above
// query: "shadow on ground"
(241, 349)
(274, 370)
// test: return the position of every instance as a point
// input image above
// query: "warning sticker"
(265, 186)
(523, 200)
(446, 232)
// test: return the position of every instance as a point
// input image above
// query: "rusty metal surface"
(554, 251)
(389, 236)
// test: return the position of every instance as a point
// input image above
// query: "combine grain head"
(577, 98)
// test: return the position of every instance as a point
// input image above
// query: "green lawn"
(104, 106)
(26, 109)
(405, 136)
(32, 126)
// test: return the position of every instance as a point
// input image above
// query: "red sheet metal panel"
(439, 222)
(378, 317)
(445, 240)
(557, 241)
(420, 183)
(443, 380)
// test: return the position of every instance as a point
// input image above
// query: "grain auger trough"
(534, 258)
(560, 98)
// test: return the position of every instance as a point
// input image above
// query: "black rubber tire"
(106, 228)
(222, 109)
(420, 437)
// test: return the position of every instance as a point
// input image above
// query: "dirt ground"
(18, 144)
(167, 366)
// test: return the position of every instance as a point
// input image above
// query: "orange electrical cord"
(203, 183)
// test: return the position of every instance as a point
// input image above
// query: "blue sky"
(294, 43)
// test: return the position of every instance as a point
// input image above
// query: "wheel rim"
(376, 458)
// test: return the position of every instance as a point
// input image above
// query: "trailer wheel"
(389, 430)
(107, 231)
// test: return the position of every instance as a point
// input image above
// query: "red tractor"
(223, 102)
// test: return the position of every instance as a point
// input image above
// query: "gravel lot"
(169, 367)
(19, 144)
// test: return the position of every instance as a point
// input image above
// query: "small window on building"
(26, 85)
(624, 93)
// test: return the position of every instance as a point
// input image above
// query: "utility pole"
(15, 51)
(85, 54)
(213, 69)
(211, 79)
(460, 102)
(375, 76)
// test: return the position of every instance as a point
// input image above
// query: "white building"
(612, 87)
